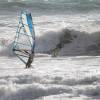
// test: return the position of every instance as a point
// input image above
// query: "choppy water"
(75, 78)
(51, 18)
(53, 6)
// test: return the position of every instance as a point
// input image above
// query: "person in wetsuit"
(30, 60)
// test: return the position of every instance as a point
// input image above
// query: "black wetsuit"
(30, 60)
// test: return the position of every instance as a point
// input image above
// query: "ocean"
(67, 51)
(47, 7)
(51, 19)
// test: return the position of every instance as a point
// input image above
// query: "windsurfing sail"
(24, 42)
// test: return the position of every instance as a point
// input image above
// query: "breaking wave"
(64, 43)
(69, 43)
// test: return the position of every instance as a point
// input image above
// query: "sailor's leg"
(30, 60)
(28, 64)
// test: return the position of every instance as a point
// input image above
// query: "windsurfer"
(30, 60)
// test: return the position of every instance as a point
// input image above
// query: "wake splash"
(64, 42)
